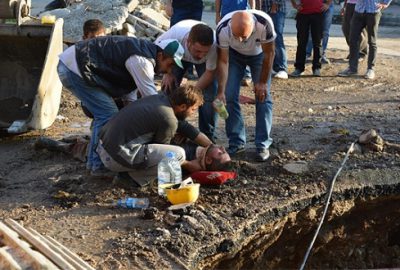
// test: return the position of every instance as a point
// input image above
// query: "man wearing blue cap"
(103, 68)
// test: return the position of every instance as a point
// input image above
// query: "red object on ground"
(246, 100)
(212, 177)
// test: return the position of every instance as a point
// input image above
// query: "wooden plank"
(70, 253)
(10, 238)
(39, 245)
(7, 261)
(74, 260)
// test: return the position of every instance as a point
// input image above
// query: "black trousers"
(359, 21)
(348, 15)
(304, 24)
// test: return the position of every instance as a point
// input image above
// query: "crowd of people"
(134, 125)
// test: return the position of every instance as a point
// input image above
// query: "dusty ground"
(315, 120)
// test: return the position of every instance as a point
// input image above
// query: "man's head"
(242, 25)
(200, 40)
(185, 100)
(171, 53)
(93, 28)
(217, 159)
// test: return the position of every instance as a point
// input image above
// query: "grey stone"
(129, 28)
(132, 5)
(150, 32)
(296, 167)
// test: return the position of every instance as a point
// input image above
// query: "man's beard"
(181, 115)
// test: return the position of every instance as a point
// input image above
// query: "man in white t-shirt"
(246, 38)
(198, 41)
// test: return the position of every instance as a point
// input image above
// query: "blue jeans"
(328, 15)
(208, 118)
(280, 60)
(98, 102)
(186, 14)
(235, 129)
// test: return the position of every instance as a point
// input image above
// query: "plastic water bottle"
(133, 203)
(169, 172)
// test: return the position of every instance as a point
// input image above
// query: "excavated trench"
(361, 230)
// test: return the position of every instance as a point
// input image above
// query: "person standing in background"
(367, 14)
(223, 7)
(309, 18)
(327, 22)
(276, 9)
(348, 12)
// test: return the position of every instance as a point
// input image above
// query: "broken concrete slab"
(112, 13)
(155, 18)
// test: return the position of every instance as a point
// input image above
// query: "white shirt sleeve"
(223, 38)
(211, 62)
(142, 71)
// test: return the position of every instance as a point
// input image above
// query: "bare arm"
(202, 140)
(252, 3)
(260, 88)
(295, 5)
(217, 11)
(206, 79)
(168, 8)
(222, 71)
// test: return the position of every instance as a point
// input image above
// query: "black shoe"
(123, 179)
(52, 145)
(234, 150)
(102, 173)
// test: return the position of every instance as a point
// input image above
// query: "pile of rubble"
(139, 18)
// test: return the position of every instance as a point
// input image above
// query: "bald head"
(242, 24)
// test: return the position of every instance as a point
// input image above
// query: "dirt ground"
(315, 120)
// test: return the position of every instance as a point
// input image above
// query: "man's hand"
(324, 7)
(274, 8)
(342, 10)
(297, 7)
(260, 91)
(221, 97)
(382, 6)
(168, 83)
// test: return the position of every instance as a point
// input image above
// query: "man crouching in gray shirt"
(138, 137)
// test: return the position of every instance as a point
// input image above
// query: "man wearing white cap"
(103, 68)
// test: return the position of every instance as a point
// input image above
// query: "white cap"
(173, 48)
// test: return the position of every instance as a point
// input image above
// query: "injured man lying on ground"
(210, 158)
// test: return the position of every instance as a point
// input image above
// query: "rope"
(351, 148)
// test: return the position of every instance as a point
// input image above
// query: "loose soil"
(315, 120)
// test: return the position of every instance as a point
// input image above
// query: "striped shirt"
(267, 4)
(263, 32)
(369, 6)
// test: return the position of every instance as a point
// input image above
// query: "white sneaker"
(273, 73)
(370, 74)
(281, 75)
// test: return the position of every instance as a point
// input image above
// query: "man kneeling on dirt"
(139, 136)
